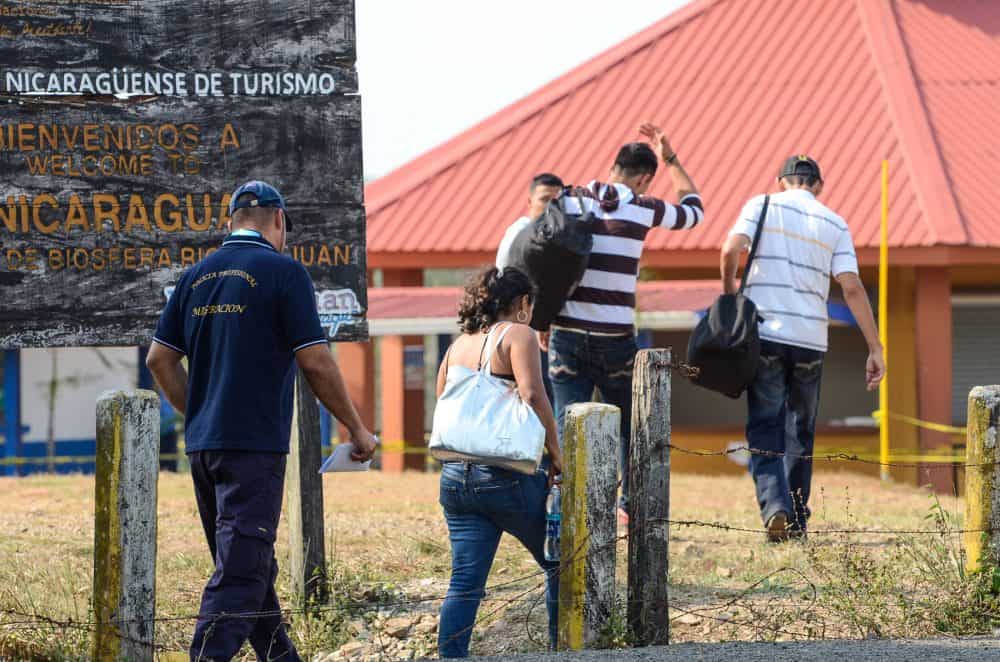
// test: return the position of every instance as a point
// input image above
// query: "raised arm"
(689, 211)
(682, 181)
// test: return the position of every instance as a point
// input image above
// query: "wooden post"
(587, 546)
(128, 447)
(649, 499)
(304, 499)
(982, 482)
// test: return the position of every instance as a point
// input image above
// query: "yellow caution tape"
(926, 425)
(390, 447)
(66, 459)
(402, 447)
(845, 454)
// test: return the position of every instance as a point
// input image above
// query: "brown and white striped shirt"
(605, 299)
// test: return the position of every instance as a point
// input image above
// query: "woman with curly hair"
(482, 502)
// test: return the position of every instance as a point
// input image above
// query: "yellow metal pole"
(883, 323)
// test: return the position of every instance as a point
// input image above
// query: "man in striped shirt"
(803, 244)
(592, 342)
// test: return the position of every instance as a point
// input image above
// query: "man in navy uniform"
(244, 317)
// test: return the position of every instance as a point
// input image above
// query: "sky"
(428, 69)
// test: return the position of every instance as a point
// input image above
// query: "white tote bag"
(481, 418)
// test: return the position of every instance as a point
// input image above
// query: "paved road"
(936, 650)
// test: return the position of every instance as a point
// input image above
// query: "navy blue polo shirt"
(240, 315)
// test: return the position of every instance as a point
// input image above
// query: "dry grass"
(387, 540)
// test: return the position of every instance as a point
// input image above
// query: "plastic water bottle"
(553, 523)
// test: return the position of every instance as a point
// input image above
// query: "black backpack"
(553, 252)
(725, 345)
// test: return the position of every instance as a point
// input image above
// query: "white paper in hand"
(340, 460)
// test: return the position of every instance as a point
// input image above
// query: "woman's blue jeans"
(481, 503)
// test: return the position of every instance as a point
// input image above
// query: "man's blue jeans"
(783, 401)
(579, 362)
(480, 504)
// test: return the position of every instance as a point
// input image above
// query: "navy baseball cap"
(265, 195)
(800, 164)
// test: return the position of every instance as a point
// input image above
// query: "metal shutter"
(975, 353)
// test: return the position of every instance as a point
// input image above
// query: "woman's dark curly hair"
(490, 294)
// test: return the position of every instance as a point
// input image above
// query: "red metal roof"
(739, 85)
(431, 302)
(954, 49)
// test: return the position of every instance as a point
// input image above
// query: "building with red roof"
(739, 85)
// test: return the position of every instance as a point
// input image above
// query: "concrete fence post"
(982, 479)
(304, 499)
(587, 547)
(127, 470)
(649, 499)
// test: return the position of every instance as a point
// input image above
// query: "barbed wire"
(889, 532)
(830, 457)
(25, 620)
(838, 456)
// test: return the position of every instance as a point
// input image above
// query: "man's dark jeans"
(239, 500)
(579, 362)
(783, 401)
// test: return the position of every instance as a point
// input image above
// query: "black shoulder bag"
(553, 252)
(725, 345)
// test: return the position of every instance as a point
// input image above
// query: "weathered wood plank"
(982, 479)
(304, 500)
(587, 541)
(310, 148)
(128, 446)
(177, 35)
(649, 499)
(85, 306)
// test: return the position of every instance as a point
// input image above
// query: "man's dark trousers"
(239, 499)
(783, 401)
(581, 361)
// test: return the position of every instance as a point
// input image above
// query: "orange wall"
(902, 370)
(934, 368)
(402, 407)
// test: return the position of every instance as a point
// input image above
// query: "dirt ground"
(387, 546)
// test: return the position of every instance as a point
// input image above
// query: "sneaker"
(622, 516)
(777, 527)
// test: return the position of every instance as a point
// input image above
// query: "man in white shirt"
(802, 245)
(544, 188)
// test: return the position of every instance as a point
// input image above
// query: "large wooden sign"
(125, 125)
